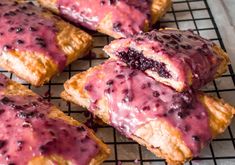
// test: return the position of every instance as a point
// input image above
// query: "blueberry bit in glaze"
(136, 100)
(20, 22)
(26, 129)
(128, 17)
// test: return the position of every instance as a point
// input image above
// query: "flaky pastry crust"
(158, 9)
(15, 89)
(158, 136)
(37, 68)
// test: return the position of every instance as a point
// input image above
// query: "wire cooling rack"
(184, 14)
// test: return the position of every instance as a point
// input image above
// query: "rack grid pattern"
(184, 14)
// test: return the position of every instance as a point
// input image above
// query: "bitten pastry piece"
(34, 132)
(120, 18)
(180, 59)
(34, 44)
(174, 126)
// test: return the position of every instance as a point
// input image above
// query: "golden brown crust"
(222, 68)
(37, 68)
(14, 88)
(158, 9)
(169, 145)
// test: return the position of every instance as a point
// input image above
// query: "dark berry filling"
(137, 60)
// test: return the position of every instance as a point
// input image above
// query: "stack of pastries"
(148, 90)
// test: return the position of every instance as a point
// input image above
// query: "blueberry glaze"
(25, 28)
(128, 16)
(26, 132)
(136, 99)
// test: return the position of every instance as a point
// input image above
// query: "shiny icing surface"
(128, 16)
(27, 132)
(24, 28)
(184, 49)
(136, 99)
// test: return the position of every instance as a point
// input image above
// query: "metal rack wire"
(184, 14)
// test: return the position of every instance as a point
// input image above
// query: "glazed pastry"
(172, 125)
(120, 18)
(180, 59)
(32, 127)
(34, 44)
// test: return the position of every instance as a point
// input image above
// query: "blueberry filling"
(112, 2)
(20, 42)
(2, 111)
(81, 129)
(110, 82)
(88, 87)
(120, 76)
(20, 144)
(117, 26)
(5, 100)
(196, 138)
(136, 60)
(2, 143)
(33, 29)
(19, 30)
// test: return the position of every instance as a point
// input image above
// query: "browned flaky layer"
(37, 68)
(158, 9)
(158, 136)
(14, 88)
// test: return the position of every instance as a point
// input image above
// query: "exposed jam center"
(24, 28)
(136, 99)
(137, 60)
(183, 49)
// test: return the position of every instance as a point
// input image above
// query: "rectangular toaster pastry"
(115, 18)
(35, 132)
(180, 59)
(172, 125)
(35, 44)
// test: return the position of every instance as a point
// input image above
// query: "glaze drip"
(136, 99)
(183, 49)
(128, 16)
(26, 28)
(28, 132)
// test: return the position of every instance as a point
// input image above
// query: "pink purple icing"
(184, 49)
(27, 132)
(136, 99)
(24, 28)
(128, 16)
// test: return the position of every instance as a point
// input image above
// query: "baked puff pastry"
(35, 132)
(172, 125)
(35, 44)
(180, 59)
(117, 18)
